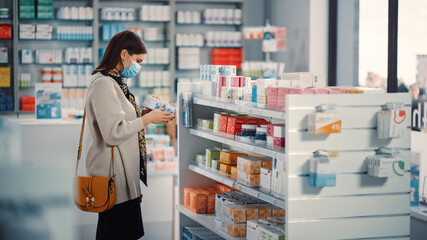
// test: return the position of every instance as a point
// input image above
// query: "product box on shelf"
(265, 179)
(250, 164)
(230, 157)
(198, 201)
(233, 172)
(248, 179)
(212, 154)
(225, 168)
(234, 229)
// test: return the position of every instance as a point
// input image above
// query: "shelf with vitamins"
(208, 221)
(56, 19)
(53, 64)
(146, 87)
(146, 41)
(222, 178)
(226, 139)
(240, 106)
(54, 39)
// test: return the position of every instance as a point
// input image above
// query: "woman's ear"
(123, 54)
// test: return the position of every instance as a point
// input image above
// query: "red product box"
(279, 142)
(223, 122)
(235, 82)
(5, 31)
(262, 121)
(272, 97)
(234, 125)
(242, 81)
(252, 121)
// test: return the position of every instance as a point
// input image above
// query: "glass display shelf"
(240, 106)
(207, 221)
(224, 179)
(224, 138)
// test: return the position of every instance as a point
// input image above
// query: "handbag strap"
(80, 146)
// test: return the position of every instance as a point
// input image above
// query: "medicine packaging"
(385, 165)
(154, 103)
(324, 122)
(322, 171)
(391, 121)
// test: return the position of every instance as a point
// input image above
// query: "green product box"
(43, 8)
(27, 15)
(216, 164)
(44, 15)
(26, 2)
(45, 2)
(211, 155)
(26, 8)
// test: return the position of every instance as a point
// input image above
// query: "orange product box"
(234, 124)
(278, 212)
(198, 201)
(210, 200)
(249, 164)
(252, 121)
(225, 168)
(187, 197)
(230, 157)
(236, 213)
(267, 163)
(234, 172)
(248, 179)
(252, 213)
(264, 212)
(234, 229)
(223, 121)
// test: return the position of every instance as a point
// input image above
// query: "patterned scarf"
(115, 74)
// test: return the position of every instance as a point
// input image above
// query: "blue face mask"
(132, 71)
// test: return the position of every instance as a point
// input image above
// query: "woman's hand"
(157, 117)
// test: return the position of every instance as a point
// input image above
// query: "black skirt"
(123, 221)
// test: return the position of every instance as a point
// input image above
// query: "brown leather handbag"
(92, 193)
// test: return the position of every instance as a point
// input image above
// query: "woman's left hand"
(145, 111)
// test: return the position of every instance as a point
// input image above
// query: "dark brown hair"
(123, 40)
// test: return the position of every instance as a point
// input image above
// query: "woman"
(114, 119)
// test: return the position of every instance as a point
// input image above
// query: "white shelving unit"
(358, 207)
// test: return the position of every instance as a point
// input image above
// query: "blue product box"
(105, 32)
(254, 93)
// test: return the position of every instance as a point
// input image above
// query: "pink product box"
(242, 81)
(272, 97)
(302, 91)
(322, 91)
(221, 83)
(336, 91)
(279, 135)
(281, 97)
(270, 130)
(235, 82)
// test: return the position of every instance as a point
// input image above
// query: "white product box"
(230, 16)
(154, 103)
(27, 27)
(238, 16)
(158, 78)
(27, 35)
(81, 75)
(44, 28)
(26, 56)
(44, 35)
(324, 123)
(265, 182)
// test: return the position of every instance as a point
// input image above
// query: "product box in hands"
(154, 103)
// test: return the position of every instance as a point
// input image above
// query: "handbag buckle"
(90, 202)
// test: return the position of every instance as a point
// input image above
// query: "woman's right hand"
(157, 117)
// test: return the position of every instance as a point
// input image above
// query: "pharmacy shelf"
(56, 19)
(53, 64)
(131, 21)
(208, 24)
(143, 87)
(207, 47)
(83, 87)
(155, 64)
(146, 41)
(241, 108)
(238, 144)
(49, 40)
(220, 177)
(188, 69)
(207, 221)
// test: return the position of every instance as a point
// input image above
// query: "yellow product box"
(264, 212)
(234, 229)
(278, 212)
(225, 168)
(230, 158)
(210, 206)
(234, 212)
(252, 213)
(248, 179)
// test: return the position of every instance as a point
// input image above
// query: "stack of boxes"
(235, 209)
(28, 103)
(272, 228)
(249, 169)
(44, 9)
(27, 9)
(228, 162)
